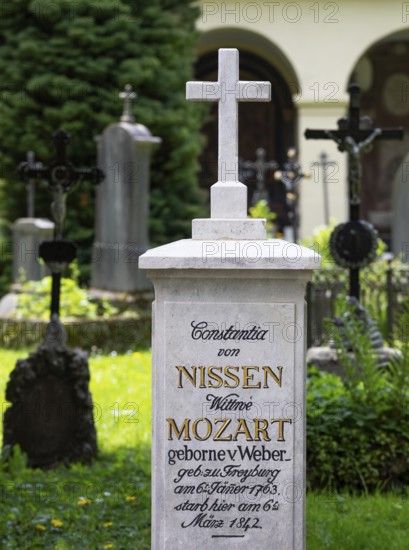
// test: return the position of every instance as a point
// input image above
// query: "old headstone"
(28, 234)
(228, 466)
(122, 209)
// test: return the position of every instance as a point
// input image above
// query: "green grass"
(106, 518)
(343, 522)
(99, 506)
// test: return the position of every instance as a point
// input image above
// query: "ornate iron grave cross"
(353, 244)
(290, 176)
(229, 196)
(62, 177)
(260, 167)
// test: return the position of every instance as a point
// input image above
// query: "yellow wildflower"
(108, 545)
(136, 354)
(130, 499)
(41, 527)
(83, 501)
(56, 522)
(108, 524)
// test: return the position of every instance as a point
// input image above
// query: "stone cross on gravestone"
(354, 243)
(228, 195)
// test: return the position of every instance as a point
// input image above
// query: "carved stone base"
(326, 358)
(51, 416)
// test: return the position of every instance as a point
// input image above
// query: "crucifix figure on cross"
(62, 177)
(229, 196)
(353, 244)
(260, 167)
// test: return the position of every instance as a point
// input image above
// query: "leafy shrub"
(34, 301)
(262, 210)
(358, 427)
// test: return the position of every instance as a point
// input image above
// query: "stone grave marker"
(122, 205)
(28, 233)
(228, 464)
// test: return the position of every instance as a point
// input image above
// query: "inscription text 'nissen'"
(245, 377)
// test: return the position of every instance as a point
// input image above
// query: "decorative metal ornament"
(353, 244)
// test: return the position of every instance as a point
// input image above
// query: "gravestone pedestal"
(229, 394)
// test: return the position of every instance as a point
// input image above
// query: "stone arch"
(272, 125)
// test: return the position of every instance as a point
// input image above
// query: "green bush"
(34, 301)
(358, 427)
(262, 210)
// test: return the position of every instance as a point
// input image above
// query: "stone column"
(228, 464)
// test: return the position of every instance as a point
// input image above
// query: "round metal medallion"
(353, 244)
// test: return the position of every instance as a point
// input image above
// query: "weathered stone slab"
(50, 416)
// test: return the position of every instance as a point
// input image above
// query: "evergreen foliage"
(62, 64)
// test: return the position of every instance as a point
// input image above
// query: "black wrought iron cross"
(260, 167)
(355, 135)
(62, 177)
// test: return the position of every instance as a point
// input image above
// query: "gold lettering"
(277, 378)
(209, 429)
(190, 377)
(249, 377)
(242, 428)
(258, 429)
(281, 422)
(226, 422)
(232, 376)
(184, 429)
(202, 371)
(213, 376)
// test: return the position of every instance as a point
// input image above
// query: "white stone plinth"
(228, 465)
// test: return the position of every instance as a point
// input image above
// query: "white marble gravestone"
(228, 466)
(122, 204)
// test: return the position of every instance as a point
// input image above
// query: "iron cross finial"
(128, 95)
